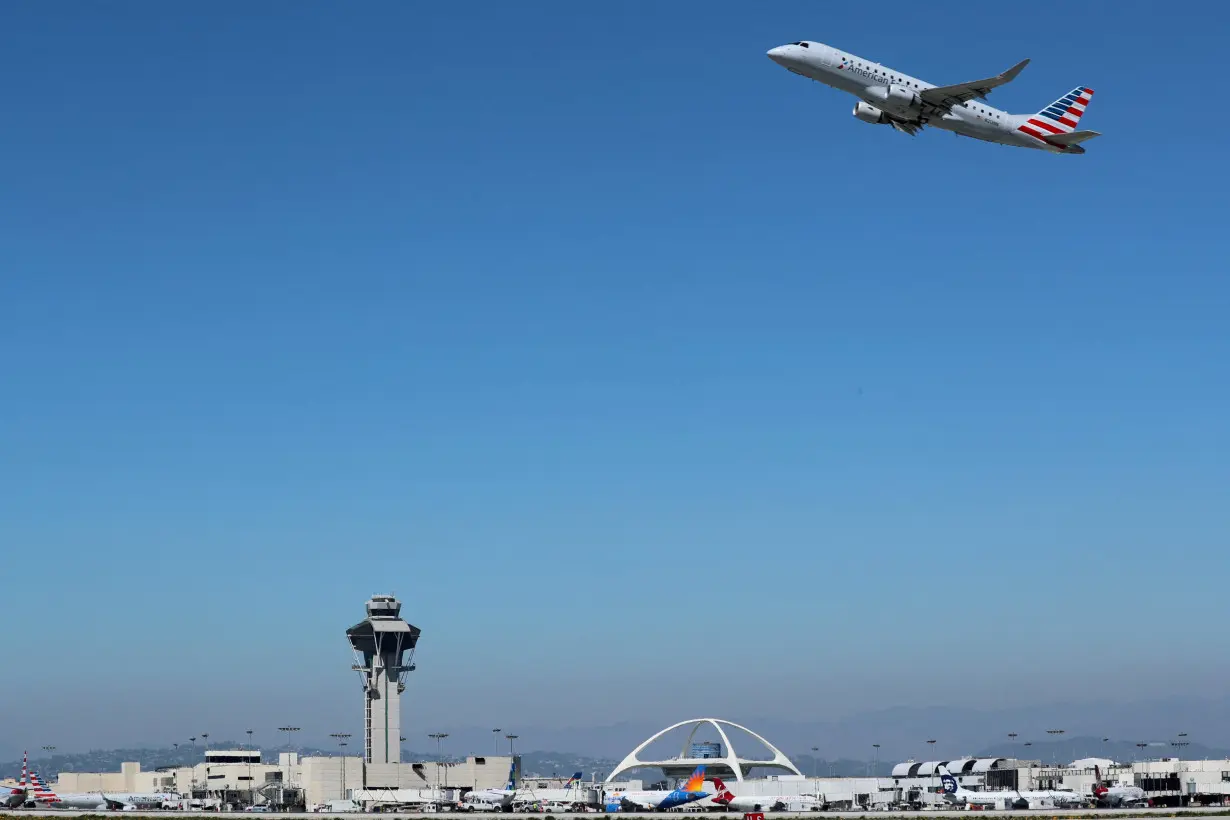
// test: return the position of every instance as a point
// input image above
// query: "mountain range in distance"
(853, 745)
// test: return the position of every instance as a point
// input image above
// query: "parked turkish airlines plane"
(890, 97)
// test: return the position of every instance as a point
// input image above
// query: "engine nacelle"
(871, 114)
(896, 99)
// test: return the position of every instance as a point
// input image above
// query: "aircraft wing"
(946, 96)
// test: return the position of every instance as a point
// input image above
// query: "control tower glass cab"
(383, 646)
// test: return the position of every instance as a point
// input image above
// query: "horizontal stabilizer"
(1072, 137)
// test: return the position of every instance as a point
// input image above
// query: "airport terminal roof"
(963, 765)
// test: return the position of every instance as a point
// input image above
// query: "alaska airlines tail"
(696, 782)
(948, 781)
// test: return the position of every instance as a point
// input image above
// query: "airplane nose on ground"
(777, 54)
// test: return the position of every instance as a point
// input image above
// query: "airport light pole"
(251, 787)
(1140, 746)
(875, 760)
(193, 739)
(931, 753)
(341, 745)
(205, 787)
(511, 738)
(1055, 733)
(438, 737)
(815, 766)
(289, 730)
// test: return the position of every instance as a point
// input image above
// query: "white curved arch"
(737, 765)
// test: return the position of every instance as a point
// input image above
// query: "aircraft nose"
(778, 54)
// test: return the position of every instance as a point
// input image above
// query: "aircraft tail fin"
(42, 793)
(512, 776)
(696, 782)
(723, 795)
(948, 781)
(1099, 788)
(1064, 114)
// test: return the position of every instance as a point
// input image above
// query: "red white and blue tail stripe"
(1061, 116)
(39, 790)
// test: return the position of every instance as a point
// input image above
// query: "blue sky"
(601, 340)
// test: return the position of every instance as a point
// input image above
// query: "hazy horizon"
(654, 383)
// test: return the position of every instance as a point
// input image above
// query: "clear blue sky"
(569, 321)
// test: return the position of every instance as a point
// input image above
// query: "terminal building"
(383, 645)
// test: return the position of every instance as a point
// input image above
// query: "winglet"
(1010, 75)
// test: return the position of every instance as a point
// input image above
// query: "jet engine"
(897, 99)
(871, 114)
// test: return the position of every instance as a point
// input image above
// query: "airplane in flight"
(689, 792)
(1120, 795)
(1006, 800)
(890, 97)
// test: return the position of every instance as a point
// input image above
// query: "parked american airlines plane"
(889, 97)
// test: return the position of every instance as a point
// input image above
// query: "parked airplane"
(1119, 795)
(758, 803)
(98, 801)
(889, 97)
(1011, 799)
(489, 799)
(13, 796)
(689, 792)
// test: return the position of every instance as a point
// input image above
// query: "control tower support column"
(383, 647)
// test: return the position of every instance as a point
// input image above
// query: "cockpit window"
(801, 43)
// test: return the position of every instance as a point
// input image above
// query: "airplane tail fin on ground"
(696, 782)
(1064, 114)
(1098, 788)
(40, 790)
(723, 794)
(512, 776)
(949, 782)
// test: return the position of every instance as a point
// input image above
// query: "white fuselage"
(104, 800)
(788, 802)
(1122, 795)
(489, 798)
(871, 81)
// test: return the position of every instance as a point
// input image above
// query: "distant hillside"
(536, 764)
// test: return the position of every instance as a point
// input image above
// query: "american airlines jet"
(889, 97)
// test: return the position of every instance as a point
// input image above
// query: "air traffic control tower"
(384, 655)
